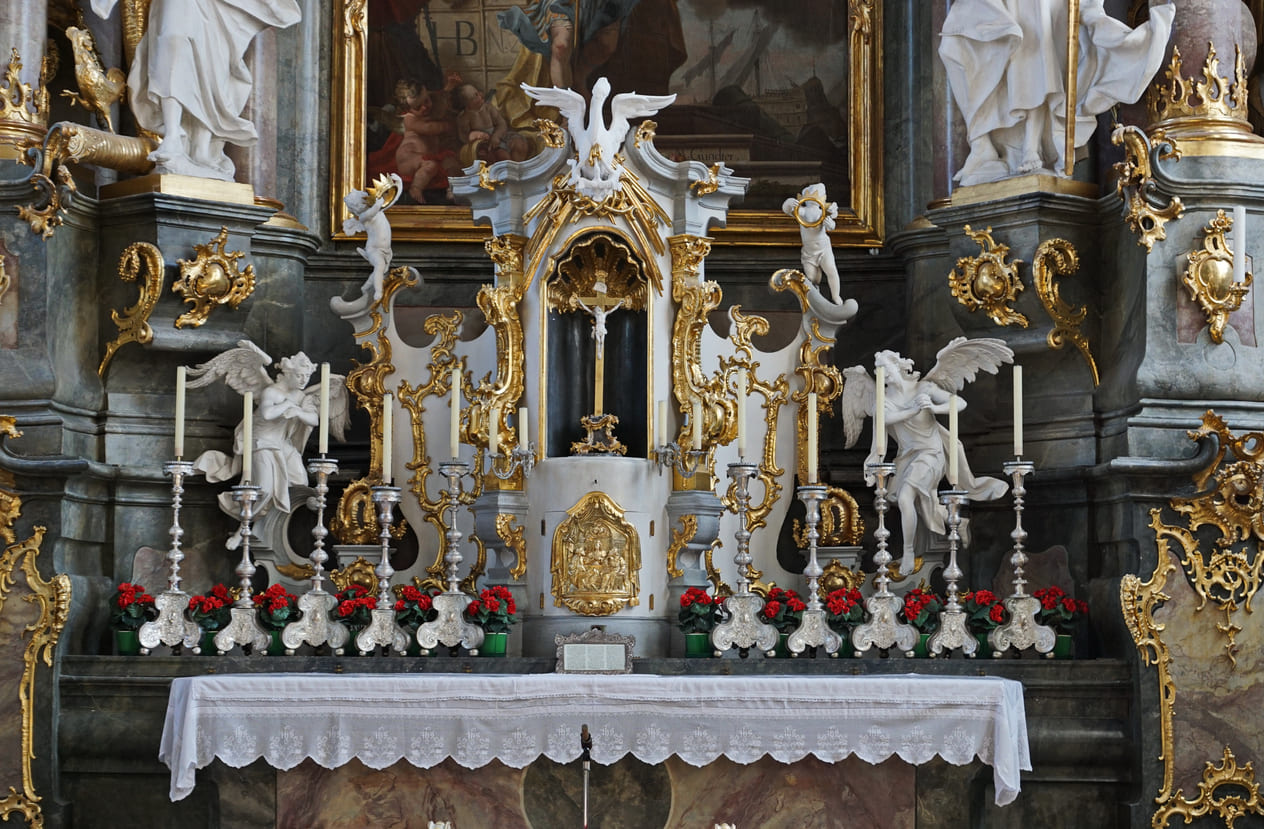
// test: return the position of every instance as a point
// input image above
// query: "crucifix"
(600, 305)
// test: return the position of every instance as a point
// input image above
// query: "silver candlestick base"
(382, 629)
(1022, 630)
(316, 625)
(743, 628)
(449, 627)
(243, 627)
(813, 630)
(173, 627)
(953, 631)
(884, 628)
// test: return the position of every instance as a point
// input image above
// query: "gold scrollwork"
(709, 183)
(512, 535)
(835, 576)
(212, 278)
(1211, 104)
(23, 110)
(596, 558)
(1209, 277)
(679, 538)
(355, 519)
(841, 524)
(1242, 799)
(550, 133)
(133, 323)
(359, 572)
(1145, 211)
(1058, 256)
(500, 307)
(987, 281)
(485, 179)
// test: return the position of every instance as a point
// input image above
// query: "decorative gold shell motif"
(211, 279)
(133, 323)
(1209, 277)
(988, 282)
(596, 561)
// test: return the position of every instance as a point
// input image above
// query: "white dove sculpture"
(596, 170)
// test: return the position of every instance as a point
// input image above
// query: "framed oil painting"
(787, 94)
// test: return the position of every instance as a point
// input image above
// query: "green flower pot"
(493, 644)
(208, 643)
(127, 642)
(275, 646)
(698, 645)
(782, 650)
(985, 650)
(1064, 647)
(921, 650)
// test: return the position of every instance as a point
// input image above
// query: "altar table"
(476, 718)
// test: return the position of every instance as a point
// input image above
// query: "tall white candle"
(247, 436)
(522, 428)
(741, 412)
(812, 446)
(696, 419)
(454, 425)
(1239, 243)
(952, 441)
(660, 423)
(179, 436)
(493, 431)
(880, 413)
(1018, 411)
(322, 443)
(388, 424)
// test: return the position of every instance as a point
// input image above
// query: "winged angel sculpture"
(597, 168)
(911, 405)
(286, 411)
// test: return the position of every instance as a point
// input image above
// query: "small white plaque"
(594, 652)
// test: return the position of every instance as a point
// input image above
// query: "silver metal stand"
(316, 626)
(813, 631)
(1022, 631)
(243, 628)
(382, 629)
(504, 466)
(173, 627)
(953, 631)
(449, 627)
(884, 628)
(686, 462)
(743, 628)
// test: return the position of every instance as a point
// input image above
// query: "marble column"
(22, 24)
(256, 164)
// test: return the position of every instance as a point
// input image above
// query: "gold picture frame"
(859, 222)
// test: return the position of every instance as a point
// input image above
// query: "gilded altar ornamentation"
(359, 572)
(709, 183)
(599, 263)
(550, 133)
(1197, 110)
(644, 133)
(23, 109)
(1227, 576)
(512, 536)
(596, 558)
(841, 524)
(835, 576)
(133, 322)
(988, 282)
(485, 179)
(1209, 278)
(500, 305)
(212, 278)
(1058, 256)
(679, 538)
(1144, 206)
(600, 439)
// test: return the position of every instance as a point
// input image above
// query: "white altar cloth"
(381, 719)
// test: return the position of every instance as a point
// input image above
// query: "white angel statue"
(286, 411)
(369, 216)
(912, 403)
(596, 169)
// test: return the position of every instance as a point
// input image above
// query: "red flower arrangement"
(413, 607)
(211, 611)
(984, 610)
(131, 607)
(700, 612)
(1059, 611)
(844, 609)
(783, 609)
(493, 610)
(921, 609)
(277, 607)
(355, 605)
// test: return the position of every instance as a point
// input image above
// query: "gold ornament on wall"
(23, 109)
(1213, 107)
(1058, 257)
(1209, 277)
(133, 323)
(513, 537)
(212, 278)
(596, 558)
(1144, 207)
(988, 282)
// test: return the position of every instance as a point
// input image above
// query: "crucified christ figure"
(599, 314)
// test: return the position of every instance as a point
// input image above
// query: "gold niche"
(988, 282)
(212, 278)
(596, 558)
(1209, 277)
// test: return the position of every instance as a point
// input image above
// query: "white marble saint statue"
(912, 406)
(189, 81)
(286, 410)
(1006, 62)
(595, 171)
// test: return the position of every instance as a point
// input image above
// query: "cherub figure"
(370, 218)
(816, 218)
(912, 404)
(286, 411)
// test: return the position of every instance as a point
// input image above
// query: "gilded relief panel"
(596, 558)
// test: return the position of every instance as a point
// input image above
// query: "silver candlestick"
(813, 631)
(743, 628)
(449, 627)
(686, 462)
(1022, 631)
(243, 627)
(316, 626)
(884, 628)
(173, 627)
(505, 466)
(382, 629)
(953, 631)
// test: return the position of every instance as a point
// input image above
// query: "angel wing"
(242, 368)
(958, 362)
(628, 105)
(339, 416)
(859, 394)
